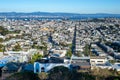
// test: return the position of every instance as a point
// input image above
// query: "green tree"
(23, 76)
(87, 50)
(69, 53)
(1, 48)
(35, 57)
(1, 40)
(59, 73)
(3, 30)
(17, 47)
(63, 73)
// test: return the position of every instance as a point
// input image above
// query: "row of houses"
(79, 63)
(16, 56)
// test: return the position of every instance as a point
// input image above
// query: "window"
(42, 69)
(99, 61)
(37, 70)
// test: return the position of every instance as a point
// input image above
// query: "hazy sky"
(73, 6)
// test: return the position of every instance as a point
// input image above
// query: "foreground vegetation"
(63, 73)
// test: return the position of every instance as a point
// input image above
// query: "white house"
(45, 67)
(116, 66)
(1, 36)
(100, 62)
(60, 53)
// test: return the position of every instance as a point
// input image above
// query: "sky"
(69, 6)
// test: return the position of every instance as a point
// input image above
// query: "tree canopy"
(35, 57)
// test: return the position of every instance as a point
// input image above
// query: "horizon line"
(53, 12)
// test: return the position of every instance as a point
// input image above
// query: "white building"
(60, 53)
(100, 62)
(116, 66)
(45, 67)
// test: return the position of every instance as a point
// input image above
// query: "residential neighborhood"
(41, 45)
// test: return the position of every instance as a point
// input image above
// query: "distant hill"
(37, 14)
(48, 14)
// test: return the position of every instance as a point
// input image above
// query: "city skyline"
(71, 6)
